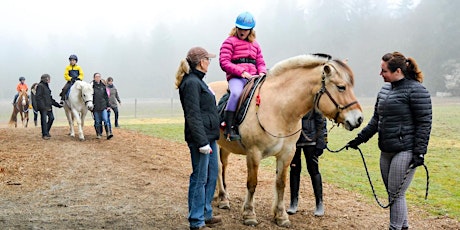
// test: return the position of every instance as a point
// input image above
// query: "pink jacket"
(232, 49)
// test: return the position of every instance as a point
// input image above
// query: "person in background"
(33, 101)
(101, 107)
(312, 141)
(114, 99)
(201, 131)
(21, 86)
(240, 58)
(402, 118)
(44, 105)
(72, 73)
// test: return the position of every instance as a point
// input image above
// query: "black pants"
(46, 121)
(310, 158)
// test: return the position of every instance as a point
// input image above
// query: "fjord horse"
(273, 122)
(76, 106)
(22, 107)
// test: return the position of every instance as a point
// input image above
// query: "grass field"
(345, 169)
(163, 118)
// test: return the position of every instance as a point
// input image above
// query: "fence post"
(135, 107)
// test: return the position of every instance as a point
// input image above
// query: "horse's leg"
(68, 114)
(221, 185)
(76, 115)
(279, 210)
(249, 214)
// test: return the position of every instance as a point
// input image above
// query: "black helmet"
(22, 79)
(74, 57)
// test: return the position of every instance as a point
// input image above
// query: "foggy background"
(140, 43)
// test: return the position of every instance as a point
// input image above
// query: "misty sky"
(39, 27)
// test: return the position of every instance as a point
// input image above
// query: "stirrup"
(233, 137)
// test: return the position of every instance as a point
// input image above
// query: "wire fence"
(130, 108)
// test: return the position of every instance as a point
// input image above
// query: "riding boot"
(229, 129)
(35, 122)
(108, 131)
(98, 131)
(294, 182)
(318, 191)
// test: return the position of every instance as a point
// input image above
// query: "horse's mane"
(309, 61)
(300, 61)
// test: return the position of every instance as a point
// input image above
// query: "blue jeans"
(202, 184)
(100, 116)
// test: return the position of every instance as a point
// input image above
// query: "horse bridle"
(324, 90)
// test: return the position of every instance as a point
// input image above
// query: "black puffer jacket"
(43, 97)
(314, 130)
(402, 117)
(200, 110)
(100, 97)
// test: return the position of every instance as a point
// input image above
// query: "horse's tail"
(13, 117)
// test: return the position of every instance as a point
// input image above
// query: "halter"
(323, 90)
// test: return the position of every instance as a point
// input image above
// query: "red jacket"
(234, 48)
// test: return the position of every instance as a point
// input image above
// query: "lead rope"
(396, 195)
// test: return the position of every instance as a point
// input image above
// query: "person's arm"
(260, 61)
(421, 108)
(80, 71)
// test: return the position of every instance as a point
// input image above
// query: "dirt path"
(139, 182)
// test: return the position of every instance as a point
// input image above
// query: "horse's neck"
(291, 94)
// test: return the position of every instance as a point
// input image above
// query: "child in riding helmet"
(72, 73)
(241, 58)
(21, 86)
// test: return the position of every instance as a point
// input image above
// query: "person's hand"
(417, 160)
(246, 75)
(205, 149)
(108, 109)
(353, 144)
(319, 152)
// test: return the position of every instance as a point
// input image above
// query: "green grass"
(345, 169)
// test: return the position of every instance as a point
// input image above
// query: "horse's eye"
(341, 88)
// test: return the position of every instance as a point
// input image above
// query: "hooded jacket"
(44, 98)
(100, 97)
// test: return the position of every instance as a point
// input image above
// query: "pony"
(77, 104)
(22, 107)
(272, 123)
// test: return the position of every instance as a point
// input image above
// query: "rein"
(396, 195)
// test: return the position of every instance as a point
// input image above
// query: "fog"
(140, 43)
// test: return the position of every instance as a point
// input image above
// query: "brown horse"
(21, 106)
(273, 122)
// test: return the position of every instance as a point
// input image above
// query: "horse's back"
(219, 88)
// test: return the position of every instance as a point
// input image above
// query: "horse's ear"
(327, 70)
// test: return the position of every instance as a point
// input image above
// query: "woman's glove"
(417, 160)
(205, 149)
(353, 144)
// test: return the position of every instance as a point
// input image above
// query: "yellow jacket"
(73, 71)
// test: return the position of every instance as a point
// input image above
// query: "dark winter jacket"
(100, 97)
(44, 98)
(402, 117)
(314, 130)
(200, 110)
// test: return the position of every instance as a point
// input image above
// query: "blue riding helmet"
(245, 21)
(74, 57)
(22, 79)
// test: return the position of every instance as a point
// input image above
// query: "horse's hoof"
(81, 138)
(285, 223)
(250, 222)
(224, 204)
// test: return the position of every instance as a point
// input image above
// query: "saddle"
(244, 102)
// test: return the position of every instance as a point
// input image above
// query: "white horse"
(76, 106)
